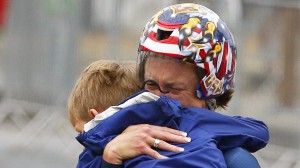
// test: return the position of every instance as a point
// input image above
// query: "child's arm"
(92, 155)
(88, 159)
(251, 135)
(235, 131)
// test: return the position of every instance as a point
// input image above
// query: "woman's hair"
(223, 100)
(220, 101)
(101, 85)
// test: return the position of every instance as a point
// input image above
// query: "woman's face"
(177, 80)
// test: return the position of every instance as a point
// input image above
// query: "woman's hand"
(139, 139)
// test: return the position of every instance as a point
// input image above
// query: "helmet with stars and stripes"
(195, 34)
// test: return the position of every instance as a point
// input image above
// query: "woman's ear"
(93, 112)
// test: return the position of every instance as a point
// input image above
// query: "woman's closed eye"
(153, 85)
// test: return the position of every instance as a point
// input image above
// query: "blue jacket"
(210, 132)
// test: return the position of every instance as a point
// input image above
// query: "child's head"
(101, 85)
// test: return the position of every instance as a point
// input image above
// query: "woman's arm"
(139, 139)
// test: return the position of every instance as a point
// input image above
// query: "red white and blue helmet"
(195, 34)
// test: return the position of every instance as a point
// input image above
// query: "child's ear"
(93, 112)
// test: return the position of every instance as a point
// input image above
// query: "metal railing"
(42, 133)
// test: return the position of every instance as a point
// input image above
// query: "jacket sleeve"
(88, 159)
(235, 131)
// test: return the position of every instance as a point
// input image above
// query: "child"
(101, 85)
(104, 83)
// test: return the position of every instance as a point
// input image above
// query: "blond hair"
(102, 84)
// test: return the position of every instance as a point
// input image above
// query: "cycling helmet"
(196, 34)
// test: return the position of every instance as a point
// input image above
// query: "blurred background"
(45, 44)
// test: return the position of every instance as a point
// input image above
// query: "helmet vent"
(163, 34)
